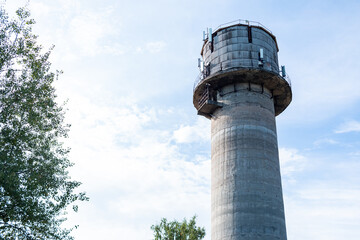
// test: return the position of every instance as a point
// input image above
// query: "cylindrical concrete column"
(246, 193)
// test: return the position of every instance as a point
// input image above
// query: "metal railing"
(204, 98)
(202, 76)
(198, 79)
(288, 79)
(244, 22)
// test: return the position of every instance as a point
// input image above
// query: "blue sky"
(138, 146)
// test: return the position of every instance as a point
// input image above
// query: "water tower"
(241, 89)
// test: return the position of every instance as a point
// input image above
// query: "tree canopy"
(35, 188)
(185, 230)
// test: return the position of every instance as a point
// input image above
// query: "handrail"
(241, 21)
(198, 79)
(204, 98)
(288, 79)
(201, 77)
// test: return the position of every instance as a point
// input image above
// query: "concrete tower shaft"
(241, 90)
(247, 200)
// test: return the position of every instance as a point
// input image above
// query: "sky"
(140, 149)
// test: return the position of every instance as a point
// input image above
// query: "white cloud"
(131, 159)
(39, 8)
(328, 193)
(200, 131)
(355, 154)
(325, 141)
(114, 49)
(69, 5)
(291, 161)
(134, 175)
(349, 126)
(155, 47)
(151, 47)
(89, 28)
(325, 211)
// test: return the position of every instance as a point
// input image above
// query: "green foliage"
(178, 230)
(35, 188)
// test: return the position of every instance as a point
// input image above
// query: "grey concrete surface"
(246, 193)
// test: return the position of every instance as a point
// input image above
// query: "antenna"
(283, 72)
(261, 57)
(210, 35)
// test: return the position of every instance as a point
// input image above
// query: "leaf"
(180, 230)
(35, 188)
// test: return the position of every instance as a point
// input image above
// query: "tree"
(178, 230)
(35, 188)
